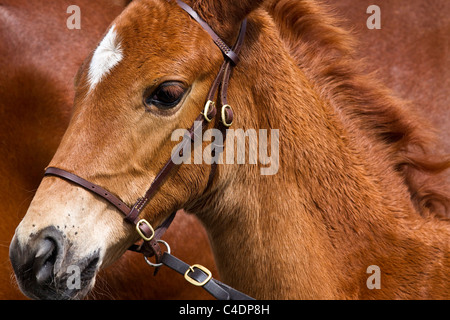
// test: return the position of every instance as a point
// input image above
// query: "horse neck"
(312, 229)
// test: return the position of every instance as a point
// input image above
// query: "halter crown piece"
(195, 274)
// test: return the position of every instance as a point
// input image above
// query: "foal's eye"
(166, 96)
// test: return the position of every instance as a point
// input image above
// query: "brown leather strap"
(223, 78)
(152, 248)
(148, 248)
(229, 68)
(108, 196)
(230, 54)
(217, 289)
(92, 187)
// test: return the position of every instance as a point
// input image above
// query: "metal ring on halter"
(158, 264)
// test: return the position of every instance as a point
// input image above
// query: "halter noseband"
(196, 274)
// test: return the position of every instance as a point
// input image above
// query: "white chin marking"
(107, 55)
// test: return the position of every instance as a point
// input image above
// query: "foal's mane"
(325, 53)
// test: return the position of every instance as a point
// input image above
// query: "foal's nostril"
(35, 263)
(41, 266)
(44, 260)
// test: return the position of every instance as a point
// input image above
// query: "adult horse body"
(347, 150)
(39, 57)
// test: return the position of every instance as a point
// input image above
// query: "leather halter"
(196, 274)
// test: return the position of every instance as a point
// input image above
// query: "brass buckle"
(209, 104)
(224, 116)
(192, 281)
(143, 221)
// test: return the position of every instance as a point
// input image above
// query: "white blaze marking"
(106, 56)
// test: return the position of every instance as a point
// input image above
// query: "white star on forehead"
(107, 55)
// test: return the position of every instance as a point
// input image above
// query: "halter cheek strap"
(197, 275)
(230, 54)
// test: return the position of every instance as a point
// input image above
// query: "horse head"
(147, 77)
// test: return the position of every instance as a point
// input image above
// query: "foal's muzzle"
(44, 271)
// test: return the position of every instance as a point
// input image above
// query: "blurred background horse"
(411, 55)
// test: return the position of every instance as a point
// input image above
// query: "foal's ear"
(225, 16)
